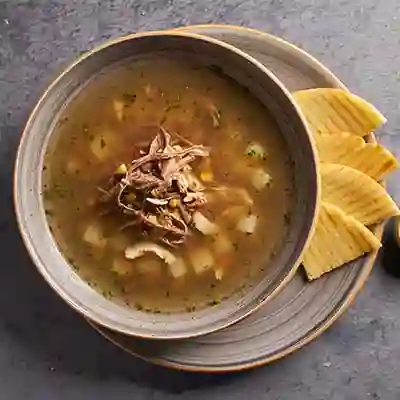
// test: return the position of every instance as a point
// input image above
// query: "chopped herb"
(123, 289)
(286, 218)
(48, 212)
(214, 302)
(129, 98)
(171, 107)
(167, 294)
(63, 120)
(107, 294)
(213, 285)
(252, 153)
(59, 191)
(72, 263)
(138, 306)
(190, 308)
(102, 143)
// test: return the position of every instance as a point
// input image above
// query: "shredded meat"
(158, 191)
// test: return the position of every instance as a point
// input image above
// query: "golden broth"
(96, 133)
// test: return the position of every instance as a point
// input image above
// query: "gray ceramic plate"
(301, 311)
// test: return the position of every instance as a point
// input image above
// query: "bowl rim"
(19, 211)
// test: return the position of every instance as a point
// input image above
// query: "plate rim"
(353, 291)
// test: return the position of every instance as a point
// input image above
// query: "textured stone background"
(46, 350)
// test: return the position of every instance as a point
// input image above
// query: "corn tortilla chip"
(332, 111)
(338, 238)
(352, 151)
(356, 194)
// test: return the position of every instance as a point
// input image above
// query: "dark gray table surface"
(49, 352)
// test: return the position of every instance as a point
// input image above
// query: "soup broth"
(245, 181)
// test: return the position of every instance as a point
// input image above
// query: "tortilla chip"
(332, 111)
(338, 239)
(370, 158)
(356, 194)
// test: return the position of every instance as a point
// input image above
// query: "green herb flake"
(72, 263)
(62, 121)
(213, 302)
(46, 195)
(286, 218)
(190, 308)
(129, 98)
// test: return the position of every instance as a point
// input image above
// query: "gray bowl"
(28, 181)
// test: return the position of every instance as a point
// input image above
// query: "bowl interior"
(28, 175)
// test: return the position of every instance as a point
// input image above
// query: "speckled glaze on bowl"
(31, 217)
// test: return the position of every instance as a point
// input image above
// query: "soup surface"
(181, 241)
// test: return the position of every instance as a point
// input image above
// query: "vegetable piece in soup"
(167, 187)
